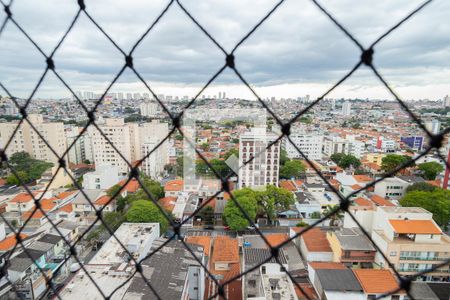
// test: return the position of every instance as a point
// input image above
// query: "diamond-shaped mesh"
(230, 62)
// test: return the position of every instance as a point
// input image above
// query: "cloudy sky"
(297, 51)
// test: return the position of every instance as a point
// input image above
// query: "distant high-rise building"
(413, 142)
(149, 109)
(129, 96)
(263, 169)
(26, 139)
(346, 108)
(119, 96)
(82, 146)
(333, 104)
(137, 96)
(133, 141)
(447, 101)
(146, 95)
(224, 95)
(433, 126)
(220, 95)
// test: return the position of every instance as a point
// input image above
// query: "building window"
(263, 270)
(393, 253)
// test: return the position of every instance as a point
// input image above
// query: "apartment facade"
(133, 141)
(26, 139)
(309, 144)
(263, 169)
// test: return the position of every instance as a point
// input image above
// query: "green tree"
(34, 168)
(272, 200)
(334, 217)
(430, 169)
(121, 202)
(283, 157)
(152, 186)
(437, 202)
(392, 161)
(234, 216)
(302, 224)
(113, 219)
(15, 180)
(145, 211)
(315, 215)
(336, 157)
(349, 160)
(292, 169)
(207, 214)
(421, 186)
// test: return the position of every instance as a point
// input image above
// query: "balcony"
(435, 258)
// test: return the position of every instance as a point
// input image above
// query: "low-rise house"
(338, 284)
(376, 283)
(315, 246)
(350, 246)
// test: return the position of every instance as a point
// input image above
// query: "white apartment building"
(335, 144)
(446, 101)
(82, 149)
(395, 187)
(133, 141)
(309, 144)
(411, 240)
(264, 168)
(119, 135)
(26, 139)
(433, 126)
(346, 108)
(150, 109)
(102, 178)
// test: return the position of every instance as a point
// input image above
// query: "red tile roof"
(202, 240)
(103, 200)
(225, 250)
(316, 240)
(9, 242)
(380, 201)
(65, 194)
(168, 203)
(68, 208)
(360, 201)
(327, 265)
(275, 239)
(22, 198)
(415, 226)
(376, 281)
(288, 185)
(131, 187)
(174, 185)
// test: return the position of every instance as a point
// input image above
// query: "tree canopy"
(27, 168)
(267, 203)
(234, 216)
(430, 169)
(437, 202)
(345, 160)
(392, 161)
(292, 169)
(152, 186)
(145, 211)
(421, 186)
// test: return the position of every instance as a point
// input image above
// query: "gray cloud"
(296, 45)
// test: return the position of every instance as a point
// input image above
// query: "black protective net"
(230, 61)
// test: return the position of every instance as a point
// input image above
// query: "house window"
(263, 269)
(393, 253)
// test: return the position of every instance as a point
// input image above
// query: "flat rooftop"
(81, 286)
(277, 287)
(128, 234)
